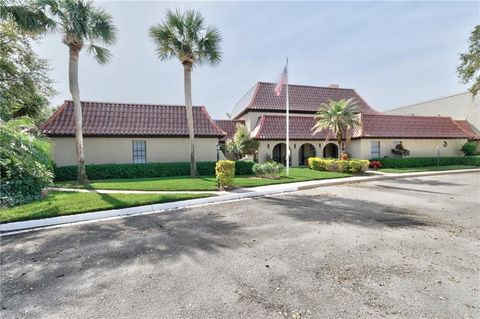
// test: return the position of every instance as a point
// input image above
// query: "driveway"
(408, 248)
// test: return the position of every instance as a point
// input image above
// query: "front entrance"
(306, 150)
(279, 154)
(330, 151)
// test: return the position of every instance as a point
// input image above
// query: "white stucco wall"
(459, 107)
(265, 150)
(109, 150)
(417, 147)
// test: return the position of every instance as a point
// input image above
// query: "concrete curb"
(16, 227)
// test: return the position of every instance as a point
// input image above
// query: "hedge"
(338, 165)
(225, 171)
(405, 162)
(114, 171)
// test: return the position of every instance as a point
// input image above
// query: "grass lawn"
(202, 183)
(68, 203)
(425, 169)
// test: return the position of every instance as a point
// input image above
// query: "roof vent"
(334, 86)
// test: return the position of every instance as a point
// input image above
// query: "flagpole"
(288, 127)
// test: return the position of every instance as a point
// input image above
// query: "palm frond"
(101, 27)
(100, 54)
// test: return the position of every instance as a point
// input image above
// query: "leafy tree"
(400, 151)
(81, 24)
(469, 68)
(469, 148)
(25, 164)
(186, 37)
(241, 144)
(339, 118)
(24, 82)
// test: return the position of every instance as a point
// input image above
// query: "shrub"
(357, 166)
(244, 167)
(375, 164)
(114, 171)
(400, 151)
(335, 165)
(469, 148)
(225, 171)
(395, 162)
(268, 169)
(25, 164)
(344, 156)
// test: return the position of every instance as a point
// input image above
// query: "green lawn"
(425, 169)
(202, 183)
(68, 203)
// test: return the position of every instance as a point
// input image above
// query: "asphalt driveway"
(408, 248)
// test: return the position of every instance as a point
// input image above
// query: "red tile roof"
(302, 98)
(469, 129)
(229, 127)
(124, 119)
(405, 126)
(272, 127)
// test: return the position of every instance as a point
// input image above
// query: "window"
(375, 149)
(139, 150)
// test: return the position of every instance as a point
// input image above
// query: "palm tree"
(81, 24)
(338, 117)
(185, 36)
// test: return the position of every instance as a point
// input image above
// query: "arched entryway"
(279, 153)
(330, 151)
(306, 150)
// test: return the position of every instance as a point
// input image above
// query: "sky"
(392, 53)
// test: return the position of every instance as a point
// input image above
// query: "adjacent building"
(132, 133)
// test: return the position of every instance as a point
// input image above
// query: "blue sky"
(392, 53)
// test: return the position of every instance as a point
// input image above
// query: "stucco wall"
(417, 147)
(107, 150)
(458, 107)
(265, 150)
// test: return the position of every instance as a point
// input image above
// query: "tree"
(80, 23)
(24, 82)
(25, 163)
(186, 37)
(469, 68)
(339, 118)
(241, 144)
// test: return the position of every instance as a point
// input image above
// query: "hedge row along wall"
(114, 171)
(405, 162)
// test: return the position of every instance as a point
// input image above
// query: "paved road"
(408, 248)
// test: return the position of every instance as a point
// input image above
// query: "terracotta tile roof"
(229, 127)
(469, 129)
(123, 119)
(272, 127)
(303, 99)
(405, 126)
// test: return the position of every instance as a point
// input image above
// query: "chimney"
(334, 86)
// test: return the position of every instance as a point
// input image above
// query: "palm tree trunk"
(77, 107)
(187, 73)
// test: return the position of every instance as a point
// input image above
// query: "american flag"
(281, 82)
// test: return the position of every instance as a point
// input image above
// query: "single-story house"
(132, 133)
(264, 114)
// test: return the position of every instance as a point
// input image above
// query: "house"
(463, 108)
(264, 115)
(132, 133)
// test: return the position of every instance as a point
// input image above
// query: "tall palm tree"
(338, 117)
(82, 25)
(186, 37)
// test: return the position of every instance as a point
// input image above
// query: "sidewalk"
(15, 227)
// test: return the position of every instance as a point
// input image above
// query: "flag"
(281, 82)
